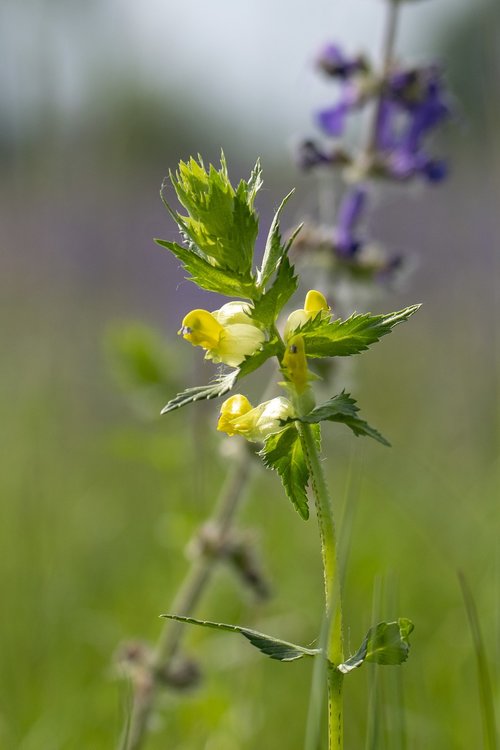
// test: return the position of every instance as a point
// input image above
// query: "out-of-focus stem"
(333, 602)
(186, 601)
(387, 55)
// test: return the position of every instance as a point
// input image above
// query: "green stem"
(333, 605)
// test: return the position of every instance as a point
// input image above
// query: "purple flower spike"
(349, 215)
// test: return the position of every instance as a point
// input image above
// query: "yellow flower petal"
(237, 341)
(201, 329)
(238, 418)
(231, 409)
(315, 302)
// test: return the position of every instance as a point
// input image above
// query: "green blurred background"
(99, 495)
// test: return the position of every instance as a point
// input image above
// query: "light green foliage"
(342, 408)
(274, 249)
(283, 453)
(385, 643)
(222, 222)
(207, 276)
(275, 648)
(341, 338)
(268, 306)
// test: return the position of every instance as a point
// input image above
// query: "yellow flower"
(237, 417)
(315, 304)
(228, 335)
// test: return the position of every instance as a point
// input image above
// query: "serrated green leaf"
(275, 648)
(223, 383)
(269, 305)
(221, 221)
(342, 408)
(341, 338)
(274, 249)
(283, 453)
(385, 643)
(254, 361)
(254, 183)
(218, 387)
(207, 276)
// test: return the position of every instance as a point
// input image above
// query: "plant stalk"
(187, 600)
(388, 45)
(334, 647)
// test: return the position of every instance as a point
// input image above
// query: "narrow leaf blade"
(274, 249)
(275, 648)
(218, 387)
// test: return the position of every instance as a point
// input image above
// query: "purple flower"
(332, 120)
(415, 104)
(349, 215)
(332, 61)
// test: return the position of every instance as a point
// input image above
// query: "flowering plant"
(219, 234)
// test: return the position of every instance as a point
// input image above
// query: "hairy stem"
(334, 646)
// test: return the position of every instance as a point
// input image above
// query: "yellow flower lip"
(228, 335)
(201, 329)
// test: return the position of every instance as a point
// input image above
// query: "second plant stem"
(334, 646)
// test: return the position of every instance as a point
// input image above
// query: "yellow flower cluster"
(229, 335)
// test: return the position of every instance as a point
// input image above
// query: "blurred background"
(99, 496)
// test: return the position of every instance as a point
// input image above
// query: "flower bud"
(314, 304)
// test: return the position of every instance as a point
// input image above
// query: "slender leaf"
(341, 338)
(269, 305)
(275, 648)
(218, 387)
(274, 249)
(342, 408)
